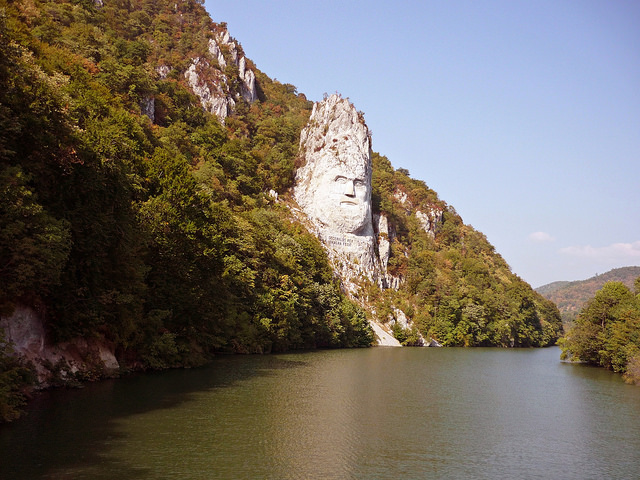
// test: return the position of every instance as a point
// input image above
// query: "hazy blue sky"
(523, 115)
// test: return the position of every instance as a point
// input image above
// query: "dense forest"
(570, 297)
(458, 289)
(157, 233)
(607, 331)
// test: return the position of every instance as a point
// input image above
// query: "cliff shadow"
(68, 433)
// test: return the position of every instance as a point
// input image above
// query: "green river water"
(378, 413)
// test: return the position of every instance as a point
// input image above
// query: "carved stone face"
(342, 198)
(334, 186)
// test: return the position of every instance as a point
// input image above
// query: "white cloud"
(541, 237)
(615, 251)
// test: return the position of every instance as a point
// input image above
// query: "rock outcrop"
(385, 235)
(24, 330)
(429, 220)
(384, 337)
(208, 79)
(211, 87)
(333, 190)
(148, 107)
(400, 318)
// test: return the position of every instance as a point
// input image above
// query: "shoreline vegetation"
(606, 332)
(135, 218)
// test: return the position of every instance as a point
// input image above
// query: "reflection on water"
(374, 413)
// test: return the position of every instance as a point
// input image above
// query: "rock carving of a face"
(342, 199)
(334, 186)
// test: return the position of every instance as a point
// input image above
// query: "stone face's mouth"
(348, 202)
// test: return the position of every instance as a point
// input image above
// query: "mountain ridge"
(571, 296)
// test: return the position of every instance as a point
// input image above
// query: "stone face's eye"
(359, 182)
(341, 180)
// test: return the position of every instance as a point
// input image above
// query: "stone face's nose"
(350, 189)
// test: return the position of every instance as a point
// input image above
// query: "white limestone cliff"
(249, 91)
(223, 41)
(385, 234)
(333, 190)
(208, 79)
(212, 94)
(429, 219)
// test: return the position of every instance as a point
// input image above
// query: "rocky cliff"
(69, 361)
(333, 189)
(207, 76)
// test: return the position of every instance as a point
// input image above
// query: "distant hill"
(570, 297)
(549, 288)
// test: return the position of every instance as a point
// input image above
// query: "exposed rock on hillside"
(333, 188)
(224, 42)
(429, 220)
(213, 94)
(165, 242)
(207, 78)
(88, 357)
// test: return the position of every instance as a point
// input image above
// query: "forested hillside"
(155, 229)
(570, 297)
(458, 290)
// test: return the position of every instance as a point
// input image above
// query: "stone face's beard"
(339, 198)
(346, 216)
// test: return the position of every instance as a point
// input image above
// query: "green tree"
(15, 379)
(33, 245)
(607, 330)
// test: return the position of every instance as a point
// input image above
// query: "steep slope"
(453, 285)
(133, 215)
(570, 297)
(407, 257)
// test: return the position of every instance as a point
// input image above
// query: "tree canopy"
(607, 331)
(458, 290)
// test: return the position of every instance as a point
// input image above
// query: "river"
(378, 413)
